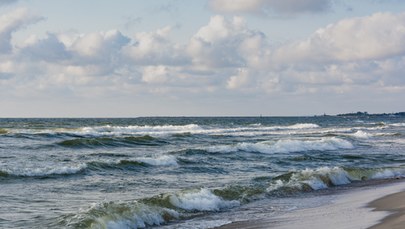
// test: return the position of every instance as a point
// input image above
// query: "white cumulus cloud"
(156, 48)
(381, 35)
(226, 43)
(223, 57)
(12, 22)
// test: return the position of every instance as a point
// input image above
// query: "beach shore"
(395, 204)
(377, 207)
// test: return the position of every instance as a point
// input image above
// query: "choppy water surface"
(182, 172)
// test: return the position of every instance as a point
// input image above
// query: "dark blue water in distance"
(183, 172)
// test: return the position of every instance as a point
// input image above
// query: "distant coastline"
(359, 113)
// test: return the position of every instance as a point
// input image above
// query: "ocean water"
(183, 172)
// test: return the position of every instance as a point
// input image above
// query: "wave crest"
(286, 146)
(154, 211)
(121, 215)
(164, 160)
(203, 200)
(44, 171)
(324, 177)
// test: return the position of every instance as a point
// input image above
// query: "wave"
(3, 131)
(142, 130)
(302, 126)
(254, 130)
(147, 212)
(361, 134)
(324, 177)
(111, 141)
(186, 204)
(159, 130)
(43, 171)
(164, 160)
(204, 200)
(120, 215)
(58, 170)
(401, 124)
(285, 146)
(108, 130)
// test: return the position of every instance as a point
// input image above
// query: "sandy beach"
(378, 207)
(395, 204)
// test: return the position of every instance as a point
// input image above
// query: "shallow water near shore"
(184, 172)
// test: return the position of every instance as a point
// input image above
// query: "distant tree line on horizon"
(365, 113)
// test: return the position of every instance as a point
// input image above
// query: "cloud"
(239, 80)
(12, 22)
(48, 49)
(155, 74)
(224, 58)
(270, 6)
(226, 43)
(155, 48)
(7, 2)
(381, 35)
(99, 46)
(94, 54)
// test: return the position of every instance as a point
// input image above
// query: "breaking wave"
(285, 146)
(164, 160)
(147, 212)
(168, 207)
(324, 177)
(361, 134)
(43, 171)
(401, 124)
(156, 131)
(60, 170)
(141, 130)
(204, 200)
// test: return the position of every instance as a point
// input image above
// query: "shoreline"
(374, 207)
(395, 205)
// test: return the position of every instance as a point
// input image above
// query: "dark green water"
(176, 172)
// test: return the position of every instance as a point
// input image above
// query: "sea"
(186, 172)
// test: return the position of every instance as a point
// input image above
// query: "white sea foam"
(401, 124)
(46, 170)
(165, 160)
(361, 134)
(285, 146)
(336, 175)
(203, 200)
(160, 130)
(389, 173)
(134, 215)
(315, 178)
(303, 126)
(141, 130)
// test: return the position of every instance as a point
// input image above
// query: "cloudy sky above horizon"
(101, 58)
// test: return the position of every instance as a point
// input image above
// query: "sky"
(103, 58)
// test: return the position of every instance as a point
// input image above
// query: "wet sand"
(379, 207)
(395, 204)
